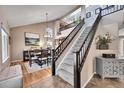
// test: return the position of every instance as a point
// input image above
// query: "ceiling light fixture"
(48, 33)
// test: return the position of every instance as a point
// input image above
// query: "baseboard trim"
(88, 80)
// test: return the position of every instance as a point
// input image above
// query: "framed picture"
(32, 39)
(88, 15)
(97, 11)
(109, 6)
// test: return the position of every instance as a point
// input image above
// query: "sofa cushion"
(11, 77)
(10, 72)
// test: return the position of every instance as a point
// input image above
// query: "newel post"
(77, 75)
(53, 63)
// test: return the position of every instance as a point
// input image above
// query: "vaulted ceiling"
(19, 15)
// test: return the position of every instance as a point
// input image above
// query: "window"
(86, 6)
(4, 45)
(70, 18)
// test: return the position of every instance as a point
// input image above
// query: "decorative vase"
(103, 46)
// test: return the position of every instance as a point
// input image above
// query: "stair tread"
(66, 73)
(68, 62)
(62, 69)
(67, 67)
(67, 76)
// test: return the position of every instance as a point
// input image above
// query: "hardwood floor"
(97, 82)
(52, 82)
(32, 78)
(41, 79)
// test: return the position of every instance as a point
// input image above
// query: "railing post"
(53, 63)
(77, 75)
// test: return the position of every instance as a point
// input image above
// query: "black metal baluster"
(81, 56)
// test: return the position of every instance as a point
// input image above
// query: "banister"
(67, 40)
(59, 50)
(69, 34)
(80, 59)
(85, 46)
(78, 64)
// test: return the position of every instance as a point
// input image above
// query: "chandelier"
(48, 30)
(48, 33)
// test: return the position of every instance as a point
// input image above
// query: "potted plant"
(77, 20)
(102, 42)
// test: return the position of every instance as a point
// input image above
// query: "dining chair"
(44, 57)
(32, 57)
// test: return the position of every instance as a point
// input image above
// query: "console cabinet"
(110, 67)
(26, 54)
(36, 52)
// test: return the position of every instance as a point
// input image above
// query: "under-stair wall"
(89, 67)
(66, 69)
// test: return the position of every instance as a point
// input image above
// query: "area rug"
(35, 67)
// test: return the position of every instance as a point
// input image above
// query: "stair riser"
(66, 69)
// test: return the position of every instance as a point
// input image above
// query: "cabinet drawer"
(108, 68)
(112, 68)
(108, 63)
(108, 72)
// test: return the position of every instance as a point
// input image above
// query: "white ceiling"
(19, 15)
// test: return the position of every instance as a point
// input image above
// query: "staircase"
(66, 69)
(70, 68)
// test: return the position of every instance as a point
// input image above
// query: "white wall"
(5, 25)
(121, 45)
(18, 38)
(89, 66)
(65, 33)
(89, 21)
(121, 32)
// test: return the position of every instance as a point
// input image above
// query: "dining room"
(32, 42)
(31, 48)
(31, 45)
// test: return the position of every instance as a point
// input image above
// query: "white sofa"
(11, 77)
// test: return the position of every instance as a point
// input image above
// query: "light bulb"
(41, 44)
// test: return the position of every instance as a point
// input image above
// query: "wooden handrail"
(82, 53)
(59, 50)
(69, 34)
(80, 59)
(68, 39)
(114, 8)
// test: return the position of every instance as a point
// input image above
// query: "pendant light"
(48, 33)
